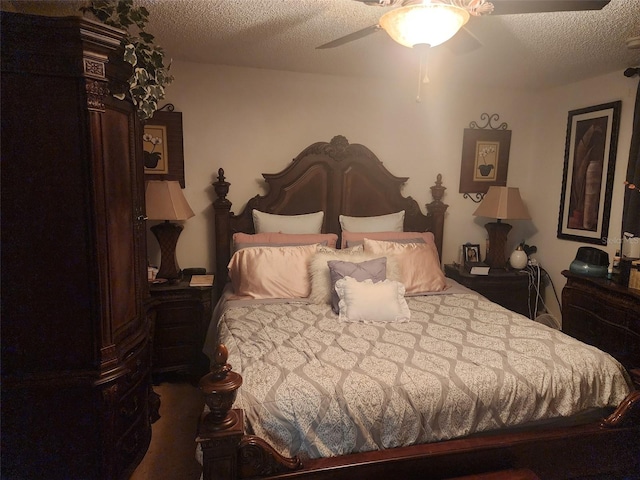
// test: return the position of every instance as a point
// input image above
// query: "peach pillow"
(351, 239)
(276, 239)
(420, 269)
(272, 272)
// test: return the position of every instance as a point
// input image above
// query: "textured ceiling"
(520, 51)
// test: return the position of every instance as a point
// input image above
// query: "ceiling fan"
(432, 22)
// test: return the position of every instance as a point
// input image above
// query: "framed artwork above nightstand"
(508, 288)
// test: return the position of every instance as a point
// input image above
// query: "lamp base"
(498, 232)
(167, 234)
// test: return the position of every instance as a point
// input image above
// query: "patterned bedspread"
(316, 387)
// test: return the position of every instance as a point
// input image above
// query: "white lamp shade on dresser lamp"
(501, 203)
(165, 201)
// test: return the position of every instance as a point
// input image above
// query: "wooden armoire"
(75, 332)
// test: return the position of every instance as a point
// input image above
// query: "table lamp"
(165, 201)
(502, 203)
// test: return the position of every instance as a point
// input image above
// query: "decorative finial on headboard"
(437, 190)
(337, 148)
(221, 187)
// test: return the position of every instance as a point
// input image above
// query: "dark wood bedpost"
(221, 429)
(222, 209)
(227, 453)
(436, 211)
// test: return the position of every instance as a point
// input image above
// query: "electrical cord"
(535, 279)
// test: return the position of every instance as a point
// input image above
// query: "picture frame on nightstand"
(471, 254)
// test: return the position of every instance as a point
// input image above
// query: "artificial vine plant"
(150, 75)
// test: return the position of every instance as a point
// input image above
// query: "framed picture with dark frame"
(471, 253)
(162, 145)
(485, 156)
(587, 178)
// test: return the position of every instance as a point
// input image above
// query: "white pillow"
(394, 222)
(268, 222)
(370, 302)
(321, 285)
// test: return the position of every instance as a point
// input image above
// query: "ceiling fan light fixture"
(429, 23)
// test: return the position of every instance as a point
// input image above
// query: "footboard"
(607, 447)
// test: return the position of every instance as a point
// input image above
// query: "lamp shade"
(165, 201)
(430, 23)
(503, 203)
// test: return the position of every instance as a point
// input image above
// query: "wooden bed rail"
(606, 447)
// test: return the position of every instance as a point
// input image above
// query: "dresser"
(182, 315)
(76, 346)
(508, 288)
(602, 313)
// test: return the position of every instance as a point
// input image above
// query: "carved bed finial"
(337, 148)
(220, 387)
(437, 190)
(221, 187)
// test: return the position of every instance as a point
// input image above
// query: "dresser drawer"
(621, 315)
(134, 439)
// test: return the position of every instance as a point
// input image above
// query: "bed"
(442, 384)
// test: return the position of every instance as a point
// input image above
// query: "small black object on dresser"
(606, 315)
(509, 288)
(182, 315)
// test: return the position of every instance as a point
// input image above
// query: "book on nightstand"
(201, 281)
(478, 268)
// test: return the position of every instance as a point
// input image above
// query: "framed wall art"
(163, 146)
(587, 178)
(485, 157)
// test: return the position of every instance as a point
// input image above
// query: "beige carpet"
(171, 454)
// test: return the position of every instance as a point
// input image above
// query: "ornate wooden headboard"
(335, 177)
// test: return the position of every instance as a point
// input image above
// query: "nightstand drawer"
(182, 315)
(181, 312)
(173, 334)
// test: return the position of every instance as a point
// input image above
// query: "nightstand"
(182, 315)
(509, 288)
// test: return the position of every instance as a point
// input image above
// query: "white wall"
(545, 183)
(250, 121)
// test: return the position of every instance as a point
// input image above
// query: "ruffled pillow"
(320, 277)
(374, 270)
(370, 302)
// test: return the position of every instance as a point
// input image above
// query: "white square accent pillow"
(269, 222)
(394, 222)
(370, 302)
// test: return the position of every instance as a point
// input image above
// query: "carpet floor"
(171, 454)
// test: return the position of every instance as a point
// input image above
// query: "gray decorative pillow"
(374, 270)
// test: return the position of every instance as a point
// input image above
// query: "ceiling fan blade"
(463, 42)
(351, 37)
(507, 7)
